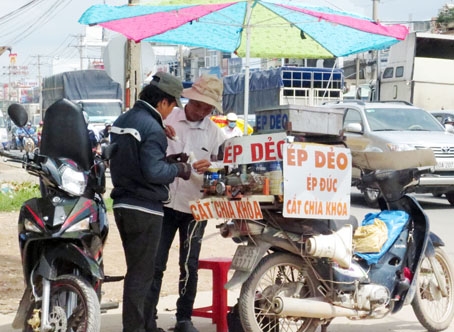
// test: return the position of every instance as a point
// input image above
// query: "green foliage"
(446, 16)
(109, 203)
(13, 195)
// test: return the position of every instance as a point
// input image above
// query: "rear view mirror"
(18, 114)
(354, 128)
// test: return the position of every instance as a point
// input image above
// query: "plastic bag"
(395, 222)
(370, 238)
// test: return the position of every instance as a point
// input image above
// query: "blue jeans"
(139, 232)
(191, 233)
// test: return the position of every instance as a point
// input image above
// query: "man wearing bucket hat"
(140, 176)
(201, 139)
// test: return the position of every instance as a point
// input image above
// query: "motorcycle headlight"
(82, 225)
(31, 227)
(73, 181)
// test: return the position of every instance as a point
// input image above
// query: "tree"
(446, 17)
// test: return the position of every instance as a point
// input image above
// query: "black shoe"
(158, 329)
(185, 326)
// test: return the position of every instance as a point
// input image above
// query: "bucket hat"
(207, 89)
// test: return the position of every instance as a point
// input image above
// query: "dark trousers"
(139, 232)
(191, 233)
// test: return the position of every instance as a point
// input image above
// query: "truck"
(306, 86)
(419, 71)
(94, 90)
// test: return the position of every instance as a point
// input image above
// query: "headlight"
(400, 147)
(31, 227)
(73, 181)
(82, 225)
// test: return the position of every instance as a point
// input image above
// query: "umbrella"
(257, 28)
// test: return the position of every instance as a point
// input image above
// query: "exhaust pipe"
(314, 308)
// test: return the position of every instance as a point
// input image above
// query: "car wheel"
(450, 197)
(371, 197)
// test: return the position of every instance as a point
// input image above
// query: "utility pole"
(376, 73)
(133, 71)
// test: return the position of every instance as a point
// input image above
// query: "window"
(388, 73)
(352, 116)
(400, 71)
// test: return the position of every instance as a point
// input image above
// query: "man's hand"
(177, 158)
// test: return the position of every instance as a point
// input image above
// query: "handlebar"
(394, 183)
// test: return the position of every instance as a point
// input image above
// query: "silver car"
(386, 126)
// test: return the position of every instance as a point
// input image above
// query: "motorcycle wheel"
(276, 274)
(74, 306)
(434, 310)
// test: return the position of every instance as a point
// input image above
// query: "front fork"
(438, 276)
(45, 306)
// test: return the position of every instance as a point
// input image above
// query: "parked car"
(386, 126)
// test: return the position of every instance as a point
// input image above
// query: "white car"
(398, 126)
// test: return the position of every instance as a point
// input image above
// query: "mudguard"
(239, 277)
(68, 252)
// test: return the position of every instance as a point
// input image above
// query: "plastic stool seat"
(218, 309)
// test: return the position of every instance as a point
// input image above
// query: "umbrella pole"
(246, 71)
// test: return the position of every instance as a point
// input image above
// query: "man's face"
(197, 110)
(165, 107)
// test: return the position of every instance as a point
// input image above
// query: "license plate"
(245, 258)
(445, 164)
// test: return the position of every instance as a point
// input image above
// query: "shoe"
(158, 329)
(185, 326)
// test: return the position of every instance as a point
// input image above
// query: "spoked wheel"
(277, 274)
(433, 306)
(74, 307)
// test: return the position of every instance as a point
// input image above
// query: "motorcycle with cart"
(62, 233)
(299, 262)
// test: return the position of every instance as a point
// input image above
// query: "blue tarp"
(265, 86)
(395, 222)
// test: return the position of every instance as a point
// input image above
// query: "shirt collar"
(181, 116)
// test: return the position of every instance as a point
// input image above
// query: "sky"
(45, 33)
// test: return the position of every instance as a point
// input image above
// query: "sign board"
(298, 118)
(222, 208)
(317, 181)
(254, 149)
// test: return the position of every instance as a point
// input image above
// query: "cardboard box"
(299, 119)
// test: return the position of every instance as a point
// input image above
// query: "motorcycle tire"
(74, 306)
(276, 274)
(434, 310)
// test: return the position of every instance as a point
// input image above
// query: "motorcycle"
(299, 274)
(62, 233)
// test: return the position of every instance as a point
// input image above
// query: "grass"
(13, 195)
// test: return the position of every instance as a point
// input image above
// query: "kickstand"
(324, 326)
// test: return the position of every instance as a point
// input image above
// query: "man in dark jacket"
(141, 174)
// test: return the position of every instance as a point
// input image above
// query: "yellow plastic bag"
(370, 238)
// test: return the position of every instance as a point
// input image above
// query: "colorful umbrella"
(221, 121)
(257, 28)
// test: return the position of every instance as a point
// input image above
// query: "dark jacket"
(139, 170)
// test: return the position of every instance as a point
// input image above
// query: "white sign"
(254, 149)
(221, 207)
(317, 181)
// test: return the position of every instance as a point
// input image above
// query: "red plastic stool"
(218, 309)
